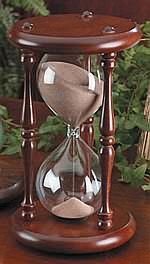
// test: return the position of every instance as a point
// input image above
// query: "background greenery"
(130, 84)
(10, 66)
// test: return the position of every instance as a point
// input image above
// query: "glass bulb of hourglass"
(68, 183)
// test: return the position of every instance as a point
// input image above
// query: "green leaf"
(96, 132)
(138, 175)
(137, 120)
(129, 124)
(37, 6)
(142, 124)
(52, 125)
(119, 158)
(146, 29)
(126, 174)
(3, 112)
(2, 135)
(42, 143)
(11, 150)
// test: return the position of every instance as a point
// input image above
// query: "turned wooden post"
(28, 121)
(87, 131)
(107, 153)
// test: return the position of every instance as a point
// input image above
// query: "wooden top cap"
(75, 33)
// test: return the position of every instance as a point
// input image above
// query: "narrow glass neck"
(73, 132)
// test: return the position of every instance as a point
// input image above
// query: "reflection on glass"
(69, 180)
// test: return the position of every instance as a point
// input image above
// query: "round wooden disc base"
(52, 234)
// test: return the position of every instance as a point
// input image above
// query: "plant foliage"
(10, 66)
(130, 86)
(37, 7)
(130, 83)
(10, 134)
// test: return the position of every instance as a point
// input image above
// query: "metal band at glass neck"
(73, 132)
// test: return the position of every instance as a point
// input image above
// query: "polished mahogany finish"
(72, 34)
(51, 234)
(28, 122)
(107, 129)
(130, 199)
(87, 131)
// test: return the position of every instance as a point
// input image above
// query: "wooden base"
(52, 234)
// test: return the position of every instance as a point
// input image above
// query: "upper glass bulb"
(70, 91)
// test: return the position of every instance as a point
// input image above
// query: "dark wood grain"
(138, 10)
(132, 252)
(107, 130)
(72, 34)
(65, 35)
(123, 195)
(11, 167)
(51, 234)
(28, 122)
(87, 131)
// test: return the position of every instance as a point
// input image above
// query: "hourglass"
(73, 184)
(69, 181)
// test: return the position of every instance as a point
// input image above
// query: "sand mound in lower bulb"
(72, 208)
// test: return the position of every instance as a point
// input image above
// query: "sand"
(72, 208)
(70, 91)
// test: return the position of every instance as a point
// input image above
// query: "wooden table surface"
(136, 251)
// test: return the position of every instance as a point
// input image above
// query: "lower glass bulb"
(68, 183)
